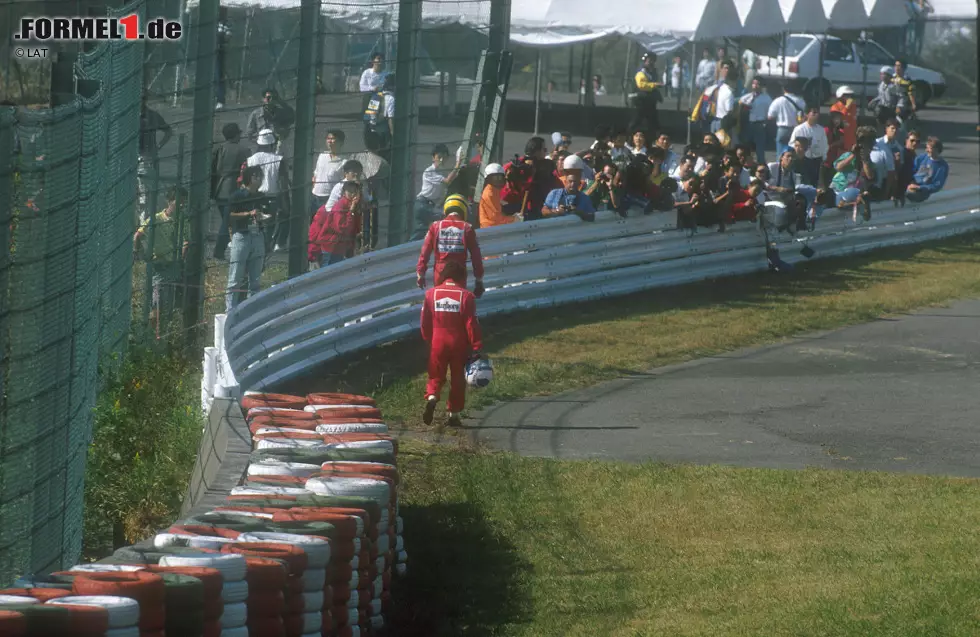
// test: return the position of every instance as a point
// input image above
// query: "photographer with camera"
(246, 220)
(570, 199)
(855, 172)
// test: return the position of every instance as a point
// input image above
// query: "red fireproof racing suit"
(451, 239)
(450, 326)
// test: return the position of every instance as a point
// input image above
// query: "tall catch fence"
(67, 184)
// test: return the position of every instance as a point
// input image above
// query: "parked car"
(843, 64)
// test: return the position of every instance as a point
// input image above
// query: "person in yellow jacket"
(491, 207)
(647, 96)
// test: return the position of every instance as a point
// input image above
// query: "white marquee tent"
(804, 15)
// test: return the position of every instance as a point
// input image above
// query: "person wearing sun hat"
(847, 106)
(452, 239)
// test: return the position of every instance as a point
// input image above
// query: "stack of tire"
(330, 454)
(42, 612)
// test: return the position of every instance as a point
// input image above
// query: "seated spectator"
(745, 203)
(931, 171)
(656, 155)
(605, 191)
(618, 151)
(835, 144)
(639, 146)
(883, 161)
(890, 142)
(671, 159)
(745, 155)
(491, 208)
(684, 169)
(570, 199)
(906, 174)
(529, 179)
(333, 233)
(783, 177)
(854, 172)
(693, 206)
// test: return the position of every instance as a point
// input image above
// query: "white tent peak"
(804, 15)
(760, 17)
(845, 14)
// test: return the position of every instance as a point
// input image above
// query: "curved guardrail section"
(372, 299)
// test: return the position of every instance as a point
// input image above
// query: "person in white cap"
(570, 199)
(885, 102)
(274, 184)
(847, 106)
(491, 208)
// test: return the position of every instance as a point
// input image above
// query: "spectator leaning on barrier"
(451, 239)
(226, 166)
(931, 171)
(431, 195)
(883, 161)
(570, 199)
(890, 142)
(855, 173)
(246, 221)
(817, 150)
(491, 208)
(329, 170)
(166, 253)
(334, 231)
(835, 144)
(450, 326)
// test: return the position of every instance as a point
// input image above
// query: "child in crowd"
(334, 232)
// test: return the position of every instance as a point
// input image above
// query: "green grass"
(551, 350)
(502, 545)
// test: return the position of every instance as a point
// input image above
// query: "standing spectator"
(224, 37)
(705, 75)
(334, 231)
(379, 120)
(906, 172)
(757, 101)
(724, 99)
(226, 165)
(329, 170)
(433, 191)
(647, 95)
(906, 106)
(931, 171)
(817, 150)
(167, 253)
(353, 170)
(247, 239)
(598, 89)
(274, 114)
(491, 209)
(750, 62)
(882, 157)
(883, 105)
(847, 106)
(275, 183)
(787, 111)
(722, 54)
(372, 78)
(676, 77)
(835, 144)
(570, 199)
(151, 125)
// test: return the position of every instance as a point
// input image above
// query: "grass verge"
(552, 350)
(503, 545)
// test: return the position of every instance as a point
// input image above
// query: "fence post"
(499, 38)
(299, 226)
(403, 151)
(200, 187)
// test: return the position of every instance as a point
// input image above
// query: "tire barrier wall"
(372, 299)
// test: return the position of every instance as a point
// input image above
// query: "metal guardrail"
(372, 299)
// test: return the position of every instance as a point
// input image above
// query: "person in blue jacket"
(931, 171)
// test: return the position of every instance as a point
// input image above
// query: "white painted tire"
(355, 579)
(378, 585)
(352, 617)
(377, 621)
(287, 443)
(314, 579)
(355, 599)
(317, 550)
(313, 601)
(123, 612)
(355, 630)
(317, 447)
(105, 568)
(383, 543)
(399, 525)
(268, 490)
(265, 431)
(245, 514)
(316, 408)
(17, 600)
(401, 570)
(129, 631)
(238, 631)
(235, 615)
(231, 565)
(402, 557)
(355, 562)
(377, 490)
(163, 540)
(399, 544)
(312, 622)
(272, 467)
(234, 592)
(375, 607)
(353, 428)
(263, 410)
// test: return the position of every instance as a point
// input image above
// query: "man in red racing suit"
(451, 239)
(450, 326)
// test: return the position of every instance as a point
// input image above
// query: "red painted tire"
(348, 412)
(212, 628)
(265, 604)
(333, 398)
(12, 624)
(384, 470)
(203, 530)
(279, 481)
(294, 556)
(342, 572)
(265, 575)
(285, 401)
(345, 525)
(211, 578)
(265, 626)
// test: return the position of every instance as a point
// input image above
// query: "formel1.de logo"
(74, 29)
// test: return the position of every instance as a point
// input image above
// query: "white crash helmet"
(479, 373)
(573, 162)
(844, 90)
(493, 169)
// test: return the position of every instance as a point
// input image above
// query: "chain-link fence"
(67, 185)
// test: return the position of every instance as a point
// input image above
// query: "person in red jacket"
(450, 326)
(333, 233)
(451, 239)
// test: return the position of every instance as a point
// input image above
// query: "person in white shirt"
(329, 170)
(749, 62)
(639, 146)
(705, 75)
(372, 78)
(758, 103)
(786, 110)
(435, 180)
(816, 153)
(670, 157)
(274, 184)
(353, 170)
(724, 99)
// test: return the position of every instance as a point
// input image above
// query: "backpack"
(373, 114)
(704, 110)
(799, 111)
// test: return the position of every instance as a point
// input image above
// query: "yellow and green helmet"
(457, 204)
